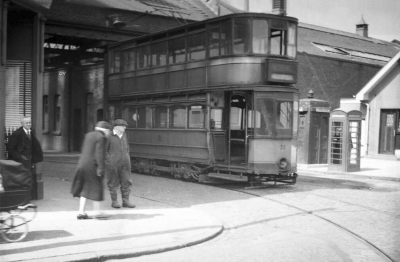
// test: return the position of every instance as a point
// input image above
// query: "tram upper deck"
(233, 50)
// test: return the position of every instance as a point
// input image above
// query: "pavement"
(56, 235)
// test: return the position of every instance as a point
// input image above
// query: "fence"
(8, 132)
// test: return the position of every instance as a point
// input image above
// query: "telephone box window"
(337, 143)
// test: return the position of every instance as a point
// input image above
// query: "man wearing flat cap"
(119, 165)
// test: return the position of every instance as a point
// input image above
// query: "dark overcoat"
(20, 145)
(86, 182)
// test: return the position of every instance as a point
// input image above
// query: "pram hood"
(14, 174)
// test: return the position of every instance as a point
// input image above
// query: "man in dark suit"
(24, 148)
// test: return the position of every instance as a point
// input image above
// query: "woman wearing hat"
(87, 181)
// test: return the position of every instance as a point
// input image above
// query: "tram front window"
(272, 118)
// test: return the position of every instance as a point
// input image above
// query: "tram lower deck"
(241, 135)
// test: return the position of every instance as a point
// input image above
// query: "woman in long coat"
(87, 182)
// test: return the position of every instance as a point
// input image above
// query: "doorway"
(388, 130)
(319, 132)
(237, 130)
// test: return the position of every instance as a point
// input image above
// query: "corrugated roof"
(94, 12)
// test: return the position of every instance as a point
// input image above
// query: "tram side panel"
(264, 154)
(172, 145)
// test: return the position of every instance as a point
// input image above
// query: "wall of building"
(85, 82)
(19, 38)
(56, 83)
(74, 87)
(332, 79)
(385, 96)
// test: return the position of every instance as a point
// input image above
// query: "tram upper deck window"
(291, 44)
(143, 56)
(128, 60)
(283, 38)
(117, 62)
(176, 50)
(260, 36)
(220, 36)
(241, 39)
(196, 46)
(159, 53)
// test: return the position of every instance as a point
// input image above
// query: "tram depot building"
(52, 61)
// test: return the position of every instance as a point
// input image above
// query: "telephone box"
(313, 131)
(344, 141)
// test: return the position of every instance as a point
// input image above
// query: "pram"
(14, 200)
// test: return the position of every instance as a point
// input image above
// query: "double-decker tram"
(215, 98)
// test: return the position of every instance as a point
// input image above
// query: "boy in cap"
(119, 164)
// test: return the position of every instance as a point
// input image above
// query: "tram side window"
(132, 117)
(176, 50)
(196, 46)
(241, 37)
(216, 120)
(144, 117)
(160, 117)
(260, 36)
(159, 53)
(178, 117)
(196, 116)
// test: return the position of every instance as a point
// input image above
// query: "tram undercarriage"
(211, 173)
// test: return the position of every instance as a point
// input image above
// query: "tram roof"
(215, 19)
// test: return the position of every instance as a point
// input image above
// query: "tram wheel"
(14, 228)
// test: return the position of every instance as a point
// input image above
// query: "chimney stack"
(362, 28)
(279, 7)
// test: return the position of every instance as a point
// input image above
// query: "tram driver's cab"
(253, 129)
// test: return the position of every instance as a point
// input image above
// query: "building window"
(100, 115)
(45, 126)
(89, 112)
(57, 113)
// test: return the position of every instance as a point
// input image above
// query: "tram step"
(229, 177)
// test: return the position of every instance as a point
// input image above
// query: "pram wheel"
(13, 228)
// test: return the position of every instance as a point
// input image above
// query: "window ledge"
(56, 133)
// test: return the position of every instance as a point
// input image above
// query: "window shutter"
(18, 92)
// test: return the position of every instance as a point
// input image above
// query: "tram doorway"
(237, 144)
